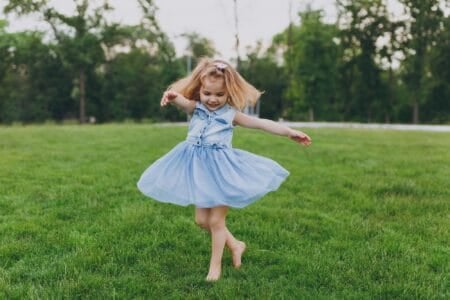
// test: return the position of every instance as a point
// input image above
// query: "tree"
(197, 47)
(314, 62)
(86, 44)
(33, 84)
(261, 70)
(5, 43)
(78, 38)
(438, 108)
(362, 24)
(426, 17)
(310, 55)
(133, 80)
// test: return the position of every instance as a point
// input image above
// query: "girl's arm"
(176, 98)
(272, 127)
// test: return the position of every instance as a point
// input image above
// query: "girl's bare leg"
(236, 247)
(218, 236)
(202, 217)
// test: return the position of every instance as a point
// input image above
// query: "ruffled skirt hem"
(210, 177)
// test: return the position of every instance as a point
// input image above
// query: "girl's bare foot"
(237, 253)
(214, 273)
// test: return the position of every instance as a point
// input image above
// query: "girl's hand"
(299, 137)
(168, 97)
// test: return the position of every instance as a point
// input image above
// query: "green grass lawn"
(364, 214)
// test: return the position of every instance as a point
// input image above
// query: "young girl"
(204, 170)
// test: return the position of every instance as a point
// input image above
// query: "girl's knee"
(202, 217)
(217, 218)
(202, 222)
(216, 223)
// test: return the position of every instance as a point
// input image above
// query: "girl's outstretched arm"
(244, 120)
(176, 98)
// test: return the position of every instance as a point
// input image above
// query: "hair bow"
(220, 66)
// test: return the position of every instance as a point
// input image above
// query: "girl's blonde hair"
(241, 93)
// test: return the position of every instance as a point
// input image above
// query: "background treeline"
(370, 66)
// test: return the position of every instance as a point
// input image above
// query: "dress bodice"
(211, 128)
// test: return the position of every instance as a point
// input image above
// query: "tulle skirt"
(209, 176)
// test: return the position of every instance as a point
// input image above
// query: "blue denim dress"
(206, 171)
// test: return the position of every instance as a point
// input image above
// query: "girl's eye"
(220, 95)
(206, 93)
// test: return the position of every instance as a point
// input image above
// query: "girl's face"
(213, 93)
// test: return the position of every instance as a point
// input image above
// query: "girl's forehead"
(211, 83)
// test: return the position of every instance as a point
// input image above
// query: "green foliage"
(362, 24)
(23, 7)
(198, 47)
(350, 222)
(313, 59)
(260, 68)
(438, 104)
(34, 87)
(348, 71)
(132, 87)
(85, 46)
(425, 26)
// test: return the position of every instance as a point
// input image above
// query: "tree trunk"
(388, 109)
(236, 36)
(82, 81)
(311, 114)
(415, 112)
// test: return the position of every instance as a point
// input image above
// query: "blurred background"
(77, 61)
